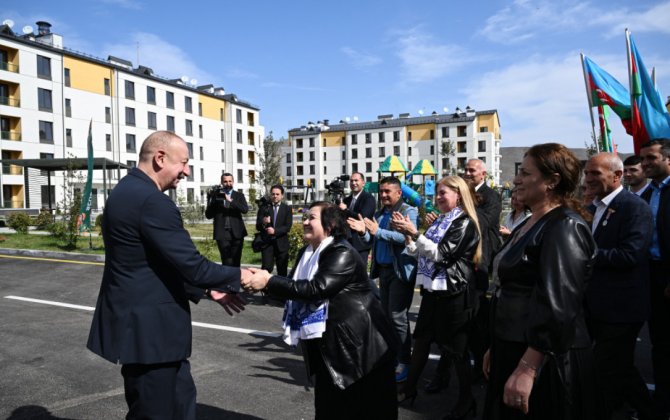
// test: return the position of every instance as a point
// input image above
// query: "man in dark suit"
(617, 295)
(274, 222)
(656, 165)
(359, 205)
(142, 318)
(227, 206)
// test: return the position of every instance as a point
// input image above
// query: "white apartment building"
(318, 153)
(49, 95)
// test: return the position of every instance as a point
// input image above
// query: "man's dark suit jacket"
(282, 227)
(490, 206)
(618, 290)
(151, 265)
(662, 225)
(217, 210)
(365, 205)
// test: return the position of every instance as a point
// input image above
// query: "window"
(396, 150)
(299, 169)
(354, 167)
(288, 171)
(382, 137)
(311, 142)
(461, 163)
(312, 169)
(44, 100)
(324, 142)
(108, 88)
(344, 169)
(432, 134)
(354, 140)
(483, 129)
(240, 175)
(396, 136)
(170, 123)
(517, 165)
(151, 95)
(325, 170)
(151, 120)
(130, 143)
(238, 116)
(298, 157)
(108, 142)
(68, 107)
(130, 116)
(188, 104)
(68, 137)
(311, 156)
(250, 119)
(130, 90)
(200, 109)
(131, 163)
(200, 132)
(190, 174)
(409, 151)
(240, 156)
(108, 114)
(239, 135)
(169, 100)
(409, 136)
(462, 130)
(66, 76)
(190, 150)
(48, 193)
(368, 138)
(46, 132)
(382, 152)
(223, 135)
(461, 147)
(445, 131)
(324, 156)
(298, 143)
(44, 156)
(368, 152)
(482, 146)
(189, 127)
(432, 150)
(223, 155)
(221, 114)
(483, 159)
(202, 153)
(368, 166)
(354, 153)
(344, 155)
(43, 67)
(202, 175)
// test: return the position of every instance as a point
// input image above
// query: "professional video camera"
(216, 194)
(336, 188)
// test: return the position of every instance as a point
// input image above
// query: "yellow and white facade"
(318, 153)
(48, 96)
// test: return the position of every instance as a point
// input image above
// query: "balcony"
(12, 204)
(9, 101)
(11, 169)
(10, 135)
(14, 68)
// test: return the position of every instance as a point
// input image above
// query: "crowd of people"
(547, 306)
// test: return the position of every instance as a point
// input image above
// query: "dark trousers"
(159, 391)
(230, 249)
(396, 296)
(659, 333)
(272, 255)
(617, 378)
(364, 256)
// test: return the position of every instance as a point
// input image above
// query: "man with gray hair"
(617, 294)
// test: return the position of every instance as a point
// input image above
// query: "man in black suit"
(274, 222)
(359, 204)
(617, 295)
(142, 318)
(656, 164)
(227, 206)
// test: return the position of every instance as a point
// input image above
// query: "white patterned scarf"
(428, 275)
(306, 320)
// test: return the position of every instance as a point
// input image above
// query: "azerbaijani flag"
(84, 220)
(605, 130)
(650, 118)
(606, 90)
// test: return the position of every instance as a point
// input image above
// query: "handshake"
(251, 280)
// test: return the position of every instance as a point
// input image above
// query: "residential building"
(49, 95)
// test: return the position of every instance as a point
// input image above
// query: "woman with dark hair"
(347, 340)
(539, 362)
(515, 217)
(447, 254)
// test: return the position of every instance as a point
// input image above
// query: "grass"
(49, 243)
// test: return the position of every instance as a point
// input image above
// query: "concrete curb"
(53, 254)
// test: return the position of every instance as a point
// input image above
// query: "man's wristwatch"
(208, 293)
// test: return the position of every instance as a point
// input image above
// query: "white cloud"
(360, 59)
(165, 59)
(424, 59)
(525, 19)
(239, 73)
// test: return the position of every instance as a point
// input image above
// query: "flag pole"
(653, 76)
(630, 85)
(590, 99)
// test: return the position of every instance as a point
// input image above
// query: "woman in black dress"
(539, 362)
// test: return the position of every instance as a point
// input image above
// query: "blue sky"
(303, 61)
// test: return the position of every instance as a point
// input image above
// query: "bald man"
(617, 295)
(142, 318)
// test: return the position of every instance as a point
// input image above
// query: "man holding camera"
(274, 221)
(359, 203)
(227, 207)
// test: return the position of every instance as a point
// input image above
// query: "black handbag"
(258, 244)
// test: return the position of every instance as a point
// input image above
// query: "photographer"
(227, 207)
(359, 203)
(274, 221)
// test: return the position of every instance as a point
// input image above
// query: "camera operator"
(359, 203)
(274, 221)
(227, 207)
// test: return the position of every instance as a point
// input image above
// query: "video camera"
(264, 204)
(216, 193)
(336, 188)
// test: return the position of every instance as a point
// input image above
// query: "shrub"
(58, 229)
(98, 222)
(296, 243)
(19, 222)
(44, 219)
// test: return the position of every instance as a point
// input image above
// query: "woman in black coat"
(346, 338)
(539, 362)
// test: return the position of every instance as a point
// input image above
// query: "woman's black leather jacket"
(542, 282)
(457, 249)
(358, 335)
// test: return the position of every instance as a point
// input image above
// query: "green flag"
(84, 220)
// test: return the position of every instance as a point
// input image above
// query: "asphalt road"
(241, 367)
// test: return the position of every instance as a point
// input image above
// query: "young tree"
(270, 163)
(448, 151)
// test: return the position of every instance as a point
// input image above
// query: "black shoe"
(407, 396)
(455, 415)
(437, 384)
